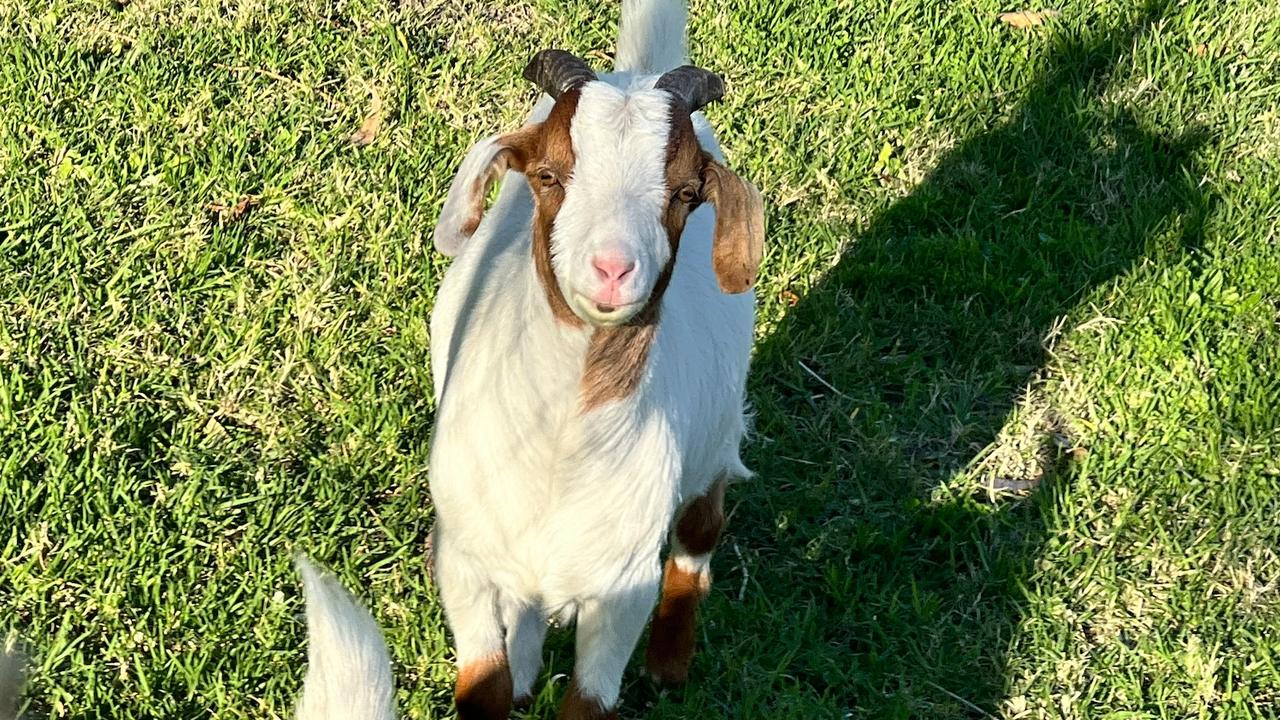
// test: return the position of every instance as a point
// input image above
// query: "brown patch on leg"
(483, 691)
(577, 706)
(702, 520)
(673, 633)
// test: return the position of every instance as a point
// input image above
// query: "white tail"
(349, 669)
(12, 678)
(651, 35)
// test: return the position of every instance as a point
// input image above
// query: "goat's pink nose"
(611, 268)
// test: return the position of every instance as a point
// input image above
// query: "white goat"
(590, 346)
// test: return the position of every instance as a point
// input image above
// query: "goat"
(590, 345)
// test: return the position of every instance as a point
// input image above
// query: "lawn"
(1016, 388)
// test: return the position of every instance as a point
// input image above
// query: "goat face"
(614, 175)
(614, 181)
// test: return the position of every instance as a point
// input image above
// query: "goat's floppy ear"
(739, 241)
(484, 165)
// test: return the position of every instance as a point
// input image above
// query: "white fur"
(651, 36)
(349, 670)
(12, 677)
(448, 235)
(544, 510)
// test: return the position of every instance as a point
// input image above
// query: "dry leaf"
(215, 428)
(1027, 18)
(243, 206)
(229, 213)
(790, 298)
(372, 123)
(429, 552)
(1200, 49)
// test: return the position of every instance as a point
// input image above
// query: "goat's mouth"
(603, 314)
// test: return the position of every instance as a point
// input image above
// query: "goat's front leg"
(526, 629)
(685, 583)
(483, 690)
(608, 629)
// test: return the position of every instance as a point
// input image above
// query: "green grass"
(1017, 380)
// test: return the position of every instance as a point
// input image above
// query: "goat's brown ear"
(485, 164)
(739, 241)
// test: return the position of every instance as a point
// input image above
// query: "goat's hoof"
(522, 702)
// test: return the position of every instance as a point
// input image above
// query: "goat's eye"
(546, 178)
(687, 195)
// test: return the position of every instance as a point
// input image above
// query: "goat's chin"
(598, 315)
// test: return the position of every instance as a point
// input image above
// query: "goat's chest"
(515, 458)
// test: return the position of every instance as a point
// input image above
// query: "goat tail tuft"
(348, 666)
(13, 675)
(651, 35)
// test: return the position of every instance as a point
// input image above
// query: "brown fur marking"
(673, 632)
(577, 706)
(739, 242)
(672, 635)
(684, 169)
(616, 359)
(497, 168)
(513, 152)
(702, 520)
(483, 690)
(552, 150)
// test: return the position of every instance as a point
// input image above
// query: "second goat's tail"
(12, 676)
(348, 667)
(651, 35)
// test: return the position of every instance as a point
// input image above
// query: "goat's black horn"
(693, 86)
(557, 71)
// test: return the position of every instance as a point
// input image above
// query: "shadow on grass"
(849, 581)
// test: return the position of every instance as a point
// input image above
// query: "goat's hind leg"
(685, 582)
(483, 690)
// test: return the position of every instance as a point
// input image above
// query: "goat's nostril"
(612, 268)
